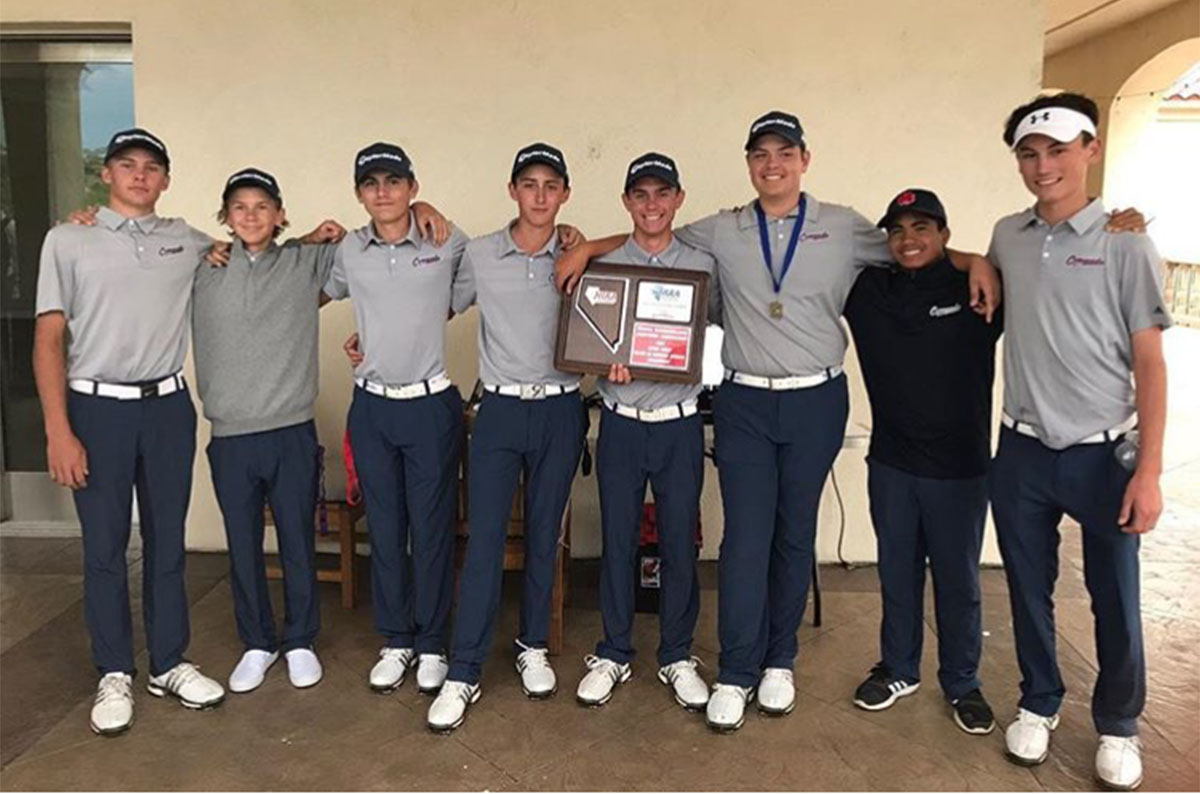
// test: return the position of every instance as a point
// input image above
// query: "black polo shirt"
(928, 361)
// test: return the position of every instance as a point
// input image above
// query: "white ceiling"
(1070, 21)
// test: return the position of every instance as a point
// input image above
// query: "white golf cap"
(1061, 124)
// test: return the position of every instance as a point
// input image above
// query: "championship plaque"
(651, 319)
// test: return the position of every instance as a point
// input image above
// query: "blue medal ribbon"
(765, 239)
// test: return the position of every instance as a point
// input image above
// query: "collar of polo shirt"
(367, 235)
(747, 219)
(1080, 222)
(666, 255)
(111, 219)
(509, 246)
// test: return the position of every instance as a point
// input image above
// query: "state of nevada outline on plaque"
(651, 319)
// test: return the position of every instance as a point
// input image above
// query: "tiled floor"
(341, 736)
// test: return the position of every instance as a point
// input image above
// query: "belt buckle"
(533, 391)
(149, 390)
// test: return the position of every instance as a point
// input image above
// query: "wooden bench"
(342, 518)
(514, 545)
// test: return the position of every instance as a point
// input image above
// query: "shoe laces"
(532, 657)
(181, 675)
(881, 673)
(682, 667)
(732, 689)
(114, 686)
(780, 673)
(606, 666)
(459, 690)
(1121, 743)
(402, 655)
(1029, 718)
(432, 657)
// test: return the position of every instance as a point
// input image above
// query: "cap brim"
(158, 154)
(557, 168)
(1063, 133)
(385, 166)
(886, 219)
(649, 173)
(788, 135)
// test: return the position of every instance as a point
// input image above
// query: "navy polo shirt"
(928, 362)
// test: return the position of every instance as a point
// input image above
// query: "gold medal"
(776, 310)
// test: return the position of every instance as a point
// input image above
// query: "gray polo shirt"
(518, 309)
(1074, 294)
(835, 243)
(255, 331)
(401, 294)
(647, 394)
(125, 287)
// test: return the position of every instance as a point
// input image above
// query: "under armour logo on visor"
(1034, 118)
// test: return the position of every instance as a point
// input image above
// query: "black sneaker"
(882, 689)
(973, 714)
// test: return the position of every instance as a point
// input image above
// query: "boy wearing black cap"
(1083, 424)
(405, 421)
(530, 424)
(115, 297)
(780, 416)
(928, 363)
(256, 341)
(650, 432)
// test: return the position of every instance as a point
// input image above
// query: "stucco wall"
(890, 95)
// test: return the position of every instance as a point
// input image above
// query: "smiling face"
(776, 166)
(135, 179)
(254, 216)
(915, 240)
(652, 205)
(539, 191)
(386, 196)
(1056, 172)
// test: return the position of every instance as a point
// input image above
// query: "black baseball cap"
(381, 157)
(915, 199)
(138, 138)
(252, 177)
(777, 122)
(652, 164)
(540, 154)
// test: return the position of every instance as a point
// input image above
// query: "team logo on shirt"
(428, 259)
(1084, 261)
(945, 311)
(814, 236)
(175, 249)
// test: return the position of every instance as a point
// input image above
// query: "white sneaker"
(431, 672)
(1027, 738)
(251, 670)
(185, 682)
(776, 691)
(304, 668)
(689, 688)
(449, 708)
(1119, 762)
(537, 676)
(388, 673)
(726, 709)
(112, 713)
(602, 678)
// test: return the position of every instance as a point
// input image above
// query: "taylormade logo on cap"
(648, 163)
(250, 175)
(772, 122)
(120, 139)
(368, 158)
(523, 156)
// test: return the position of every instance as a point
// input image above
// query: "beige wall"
(1100, 66)
(890, 96)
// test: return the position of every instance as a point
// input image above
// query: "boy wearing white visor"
(1085, 313)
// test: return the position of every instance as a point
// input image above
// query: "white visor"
(1061, 124)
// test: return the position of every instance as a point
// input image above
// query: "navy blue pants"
(277, 467)
(544, 439)
(1032, 487)
(670, 455)
(407, 454)
(148, 445)
(918, 518)
(774, 451)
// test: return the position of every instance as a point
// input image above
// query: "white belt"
(531, 391)
(664, 414)
(783, 384)
(1103, 437)
(117, 391)
(438, 383)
